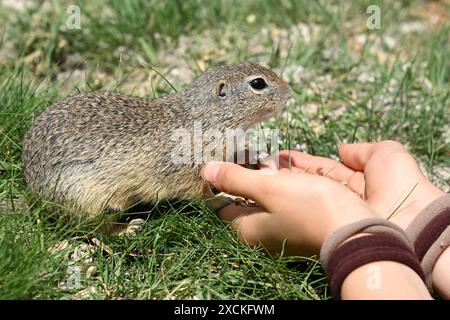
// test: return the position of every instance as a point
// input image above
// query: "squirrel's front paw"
(219, 202)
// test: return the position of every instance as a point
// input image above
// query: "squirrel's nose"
(286, 91)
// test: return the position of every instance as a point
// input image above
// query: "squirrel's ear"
(222, 88)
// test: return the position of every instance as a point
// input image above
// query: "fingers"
(234, 179)
(357, 155)
(294, 159)
(357, 183)
(286, 162)
(318, 165)
(327, 167)
(233, 212)
(245, 220)
(251, 223)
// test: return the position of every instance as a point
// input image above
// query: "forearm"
(385, 280)
(429, 232)
(441, 275)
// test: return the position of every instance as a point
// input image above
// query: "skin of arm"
(441, 275)
(387, 280)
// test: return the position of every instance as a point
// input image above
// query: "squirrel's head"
(238, 95)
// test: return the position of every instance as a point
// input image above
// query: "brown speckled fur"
(105, 150)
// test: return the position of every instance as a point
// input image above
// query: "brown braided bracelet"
(429, 232)
(380, 240)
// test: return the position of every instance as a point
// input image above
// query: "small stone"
(251, 18)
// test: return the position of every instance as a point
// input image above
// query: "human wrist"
(441, 282)
(426, 193)
(429, 232)
(347, 214)
(388, 242)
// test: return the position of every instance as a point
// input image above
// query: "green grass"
(345, 91)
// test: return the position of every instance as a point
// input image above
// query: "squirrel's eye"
(258, 83)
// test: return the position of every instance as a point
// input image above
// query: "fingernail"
(210, 170)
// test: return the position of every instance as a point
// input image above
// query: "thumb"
(235, 179)
(356, 155)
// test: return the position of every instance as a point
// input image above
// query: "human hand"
(384, 173)
(301, 208)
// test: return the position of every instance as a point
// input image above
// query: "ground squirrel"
(106, 151)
